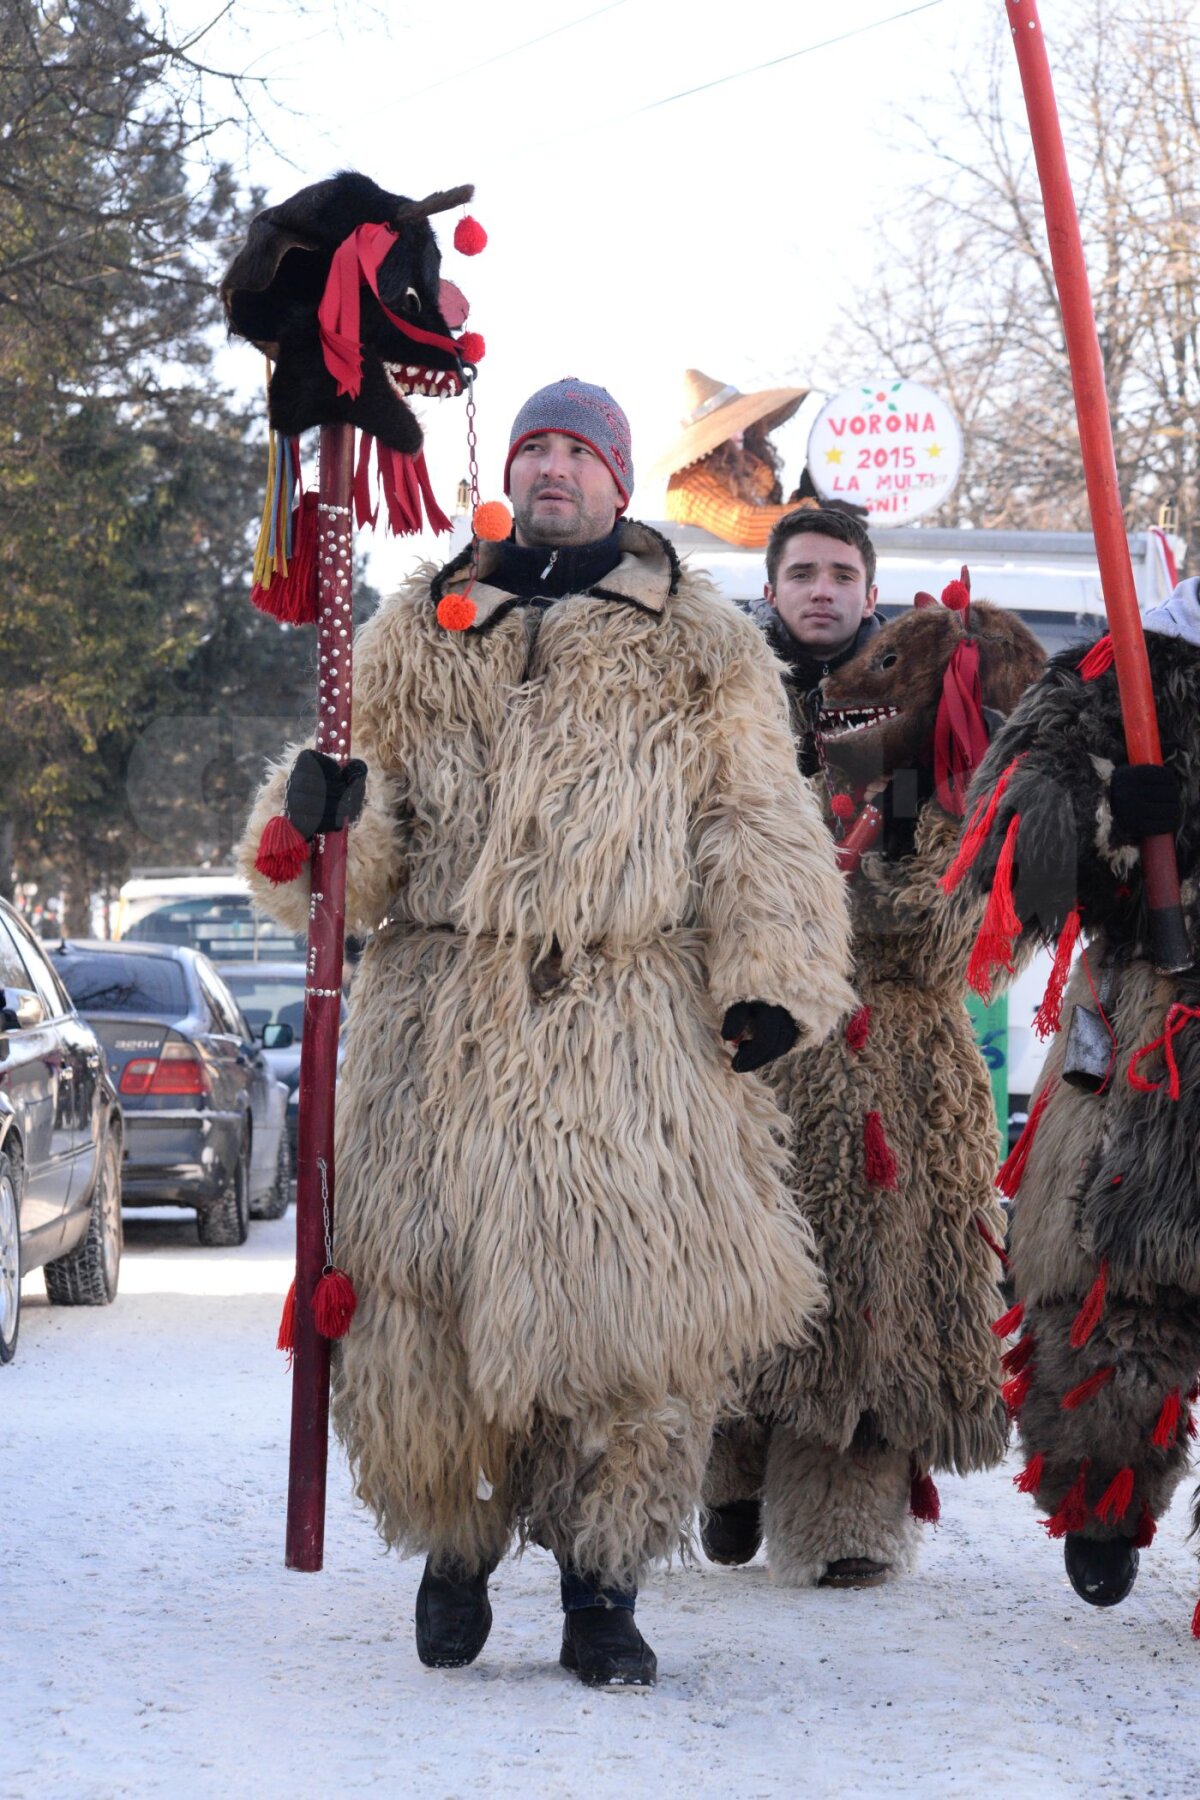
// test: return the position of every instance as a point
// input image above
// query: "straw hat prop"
(714, 412)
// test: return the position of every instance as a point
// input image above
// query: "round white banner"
(891, 446)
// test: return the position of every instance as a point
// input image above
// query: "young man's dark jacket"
(806, 669)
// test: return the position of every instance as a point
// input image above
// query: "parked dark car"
(271, 994)
(204, 1116)
(60, 1140)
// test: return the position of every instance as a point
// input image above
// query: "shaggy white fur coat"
(584, 838)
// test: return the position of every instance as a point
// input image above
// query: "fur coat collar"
(646, 576)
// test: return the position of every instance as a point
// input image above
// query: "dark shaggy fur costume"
(903, 1372)
(1110, 1180)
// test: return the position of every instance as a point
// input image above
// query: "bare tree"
(965, 296)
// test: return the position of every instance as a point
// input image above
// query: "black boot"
(732, 1533)
(603, 1646)
(1102, 1570)
(454, 1615)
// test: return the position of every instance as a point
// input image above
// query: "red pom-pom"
(455, 612)
(471, 347)
(842, 807)
(924, 1501)
(492, 521)
(287, 1323)
(469, 237)
(956, 596)
(334, 1301)
(282, 852)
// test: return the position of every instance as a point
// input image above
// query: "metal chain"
(472, 444)
(325, 1213)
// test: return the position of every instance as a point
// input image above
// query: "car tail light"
(176, 1070)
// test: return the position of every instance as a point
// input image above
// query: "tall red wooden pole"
(1099, 466)
(322, 1013)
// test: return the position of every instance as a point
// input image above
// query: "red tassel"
(334, 1302)
(1078, 1395)
(1167, 1429)
(1049, 1013)
(1113, 1503)
(1001, 926)
(989, 1240)
(1010, 1321)
(1196, 1621)
(880, 1162)
(1030, 1478)
(858, 1028)
(469, 236)
(1143, 1537)
(973, 838)
(282, 852)
(1072, 1514)
(924, 1501)
(292, 598)
(1099, 658)
(1088, 1316)
(287, 1323)
(1016, 1392)
(1014, 1360)
(1013, 1168)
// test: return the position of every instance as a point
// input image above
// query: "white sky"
(727, 231)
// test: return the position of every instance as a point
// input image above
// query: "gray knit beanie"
(579, 410)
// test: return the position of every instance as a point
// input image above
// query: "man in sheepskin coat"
(893, 1125)
(591, 873)
(1106, 1226)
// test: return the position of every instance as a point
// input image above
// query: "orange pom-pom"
(469, 237)
(471, 347)
(455, 612)
(492, 521)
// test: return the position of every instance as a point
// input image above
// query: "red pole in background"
(1168, 930)
(322, 1014)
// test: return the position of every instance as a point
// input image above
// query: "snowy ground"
(153, 1643)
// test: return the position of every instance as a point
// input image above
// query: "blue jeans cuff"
(578, 1592)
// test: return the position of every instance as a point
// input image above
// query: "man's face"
(821, 591)
(561, 492)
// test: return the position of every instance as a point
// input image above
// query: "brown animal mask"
(880, 711)
(348, 240)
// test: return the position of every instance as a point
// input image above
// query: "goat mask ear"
(274, 289)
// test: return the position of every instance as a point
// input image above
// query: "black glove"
(1145, 801)
(322, 795)
(766, 1031)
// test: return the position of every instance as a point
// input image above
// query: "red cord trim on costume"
(858, 1027)
(1001, 926)
(1010, 1321)
(1167, 1428)
(1030, 1478)
(1114, 1502)
(1178, 1016)
(1012, 1169)
(960, 737)
(924, 1501)
(976, 833)
(1072, 1513)
(881, 1168)
(1077, 1396)
(1099, 658)
(1049, 1013)
(1015, 1393)
(989, 1240)
(1089, 1314)
(1014, 1360)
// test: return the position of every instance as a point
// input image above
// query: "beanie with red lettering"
(579, 410)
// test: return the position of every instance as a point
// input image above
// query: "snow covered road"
(153, 1643)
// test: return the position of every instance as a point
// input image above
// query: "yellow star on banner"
(834, 455)
(934, 450)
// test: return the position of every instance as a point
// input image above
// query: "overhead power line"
(513, 50)
(790, 56)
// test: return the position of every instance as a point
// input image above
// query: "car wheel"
(225, 1223)
(88, 1275)
(10, 1254)
(274, 1204)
